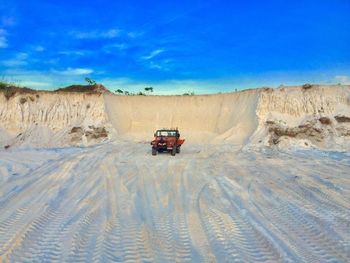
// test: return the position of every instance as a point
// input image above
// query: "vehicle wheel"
(178, 150)
(173, 151)
(154, 151)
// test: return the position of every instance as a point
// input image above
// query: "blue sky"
(175, 46)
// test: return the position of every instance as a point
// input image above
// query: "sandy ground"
(116, 202)
(255, 199)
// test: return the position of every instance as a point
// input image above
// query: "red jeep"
(167, 141)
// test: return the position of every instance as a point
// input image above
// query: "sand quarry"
(264, 176)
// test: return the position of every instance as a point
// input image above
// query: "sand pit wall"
(45, 119)
(307, 116)
(199, 118)
(317, 116)
(304, 116)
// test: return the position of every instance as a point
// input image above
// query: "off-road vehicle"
(167, 140)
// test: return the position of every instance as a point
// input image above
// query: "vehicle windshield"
(166, 133)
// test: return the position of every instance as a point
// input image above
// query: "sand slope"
(199, 118)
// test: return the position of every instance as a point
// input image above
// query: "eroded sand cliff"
(316, 116)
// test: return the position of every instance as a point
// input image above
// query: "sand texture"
(117, 203)
(264, 176)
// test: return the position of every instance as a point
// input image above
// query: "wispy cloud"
(112, 33)
(135, 34)
(38, 48)
(96, 34)
(155, 65)
(5, 22)
(111, 48)
(163, 65)
(342, 79)
(74, 52)
(3, 39)
(153, 54)
(20, 59)
(74, 71)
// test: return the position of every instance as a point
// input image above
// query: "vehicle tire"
(178, 150)
(173, 151)
(154, 151)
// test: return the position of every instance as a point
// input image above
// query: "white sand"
(116, 202)
(198, 117)
(226, 198)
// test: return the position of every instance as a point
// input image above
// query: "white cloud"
(39, 48)
(19, 60)
(96, 34)
(162, 64)
(74, 52)
(342, 79)
(135, 34)
(74, 71)
(3, 39)
(155, 65)
(153, 54)
(119, 46)
(112, 33)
